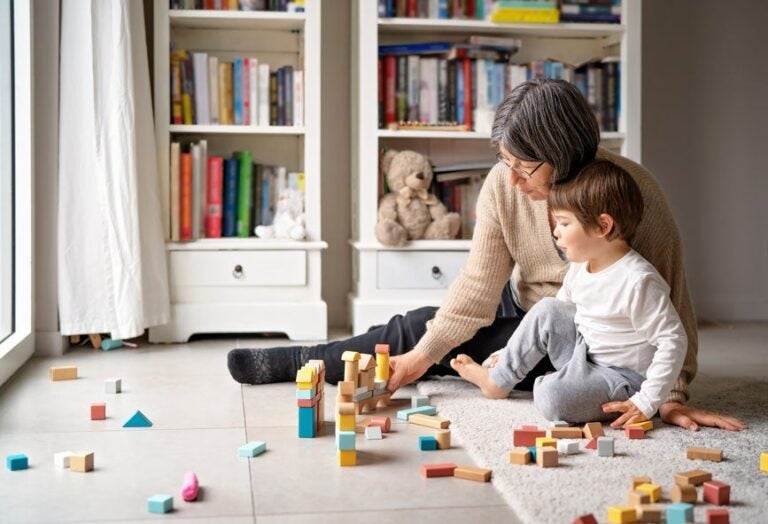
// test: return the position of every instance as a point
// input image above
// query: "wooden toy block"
(592, 444)
(189, 487)
(160, 504)
(305, 394)
(383, 422)
(307, 422)
(314, 401)
(593, 430)
(95, 340)
(443, 437)
(635, 498)
(430, 421)
(567, 448)
(17, 462)
(695, 477)
(605, 446)
(81, 462)
(559, 424)
(686, 493)
(98, 411)
(350, 356)
(764, 462)
(347, 458)
(636, 481)
(717, 516)
(363, 378)
(61, 459)
(347, 387)
(351, 372)
(345, 422)
(542, 442)
(711, 454)
(427, 443)
(63, 372)
(589, 518)
(381, 349)
(382, 365)
(306, 377)
(526, 436)
(108, 344)
(520, 456)
(546, 457)
(345, 440)
(362, 395)
(360, 425)
(679, 513)
(345, 408)
(533, 451)
(621, 514)
(649, 513)
(403, 414)
(419, 400)
(252, 449)
(373, 433)
(138, 420)
(716, 492)
(565, 432)
(113, 385)
(437, 470)
(367, 362)
(634, 433)
(472, 473)
(647, 425)
(653, 490)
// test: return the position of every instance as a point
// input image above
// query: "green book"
(244, 195)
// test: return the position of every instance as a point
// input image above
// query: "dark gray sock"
(266, 365)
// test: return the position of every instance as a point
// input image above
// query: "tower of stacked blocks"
(309, 397)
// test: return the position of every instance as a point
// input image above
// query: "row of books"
(463, 93)
(458, 187)
(240, 5)
(212, 196)
(244, 91)
(444, 9)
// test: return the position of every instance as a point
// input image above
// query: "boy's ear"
(606, 224)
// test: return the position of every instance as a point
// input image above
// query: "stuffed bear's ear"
(386, 160)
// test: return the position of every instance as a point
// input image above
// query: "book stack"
(525, 12)
(294, 6)
(441, 9)
(458, 187)
(599, 11)
(244, 91)
(213, 196)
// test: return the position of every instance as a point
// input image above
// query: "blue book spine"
(231, 179)
(460, 93)
(425, 48)
(442, 9)
(237, 65)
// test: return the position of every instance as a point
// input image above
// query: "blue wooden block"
(427, 443)
(306, 394)
(403, 414)
(138, 420)
(679, 513)
(307, 422)
(345, 440)
(17, 462)
(532, 449)
(160, 503)
(252, 449)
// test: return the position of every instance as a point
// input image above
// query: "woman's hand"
(406, 368)
(691, 418)
(630, 413)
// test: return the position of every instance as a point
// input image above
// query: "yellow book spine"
(526, 16)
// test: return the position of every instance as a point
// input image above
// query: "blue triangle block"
(138, 420)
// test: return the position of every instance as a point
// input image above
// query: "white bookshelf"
(389, 281)
(244, 285)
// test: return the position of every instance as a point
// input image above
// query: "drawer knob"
(436, 273)
(238, 272)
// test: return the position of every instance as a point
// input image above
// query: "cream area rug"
(585, 483)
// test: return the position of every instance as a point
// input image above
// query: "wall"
(704, 131)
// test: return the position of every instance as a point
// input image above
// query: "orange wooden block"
(98, 411)
(711, 454)
(63, 372)
(437, 470)
(565, 432)
(695, 477)
(472, 473)
(592, 444)
(593, 430)
(520, 456)
(546, 457)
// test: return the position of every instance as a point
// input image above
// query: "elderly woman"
(545, 133)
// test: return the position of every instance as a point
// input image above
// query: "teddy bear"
(289, 221)
(409, 211)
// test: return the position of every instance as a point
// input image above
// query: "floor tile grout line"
(245, 438)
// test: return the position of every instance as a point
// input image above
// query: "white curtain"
(112, 270)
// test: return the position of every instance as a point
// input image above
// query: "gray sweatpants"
(576, 391)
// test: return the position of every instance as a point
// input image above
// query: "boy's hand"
(691, 418)
(406, 368)
(630, 413)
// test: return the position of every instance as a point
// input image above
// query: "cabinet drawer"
(418, 269)
(238, 268)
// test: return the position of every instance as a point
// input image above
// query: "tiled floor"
(200, 417)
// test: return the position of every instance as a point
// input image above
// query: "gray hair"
(548, 120)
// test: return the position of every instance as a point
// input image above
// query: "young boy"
(611, 333)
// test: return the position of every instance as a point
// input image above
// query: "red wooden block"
(382, 348)
(585, 519)
(526, 436)
(634, 433)
(308, 403)
(437, 470)
(98, 411)
(718, 516)
(383, 422)
(592, 444)
(716, 492)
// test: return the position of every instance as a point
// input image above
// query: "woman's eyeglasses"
(516, 170)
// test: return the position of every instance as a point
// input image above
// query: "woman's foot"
(266, 365)
(478, 375)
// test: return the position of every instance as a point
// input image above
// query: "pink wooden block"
(189, 487)
(716, 492)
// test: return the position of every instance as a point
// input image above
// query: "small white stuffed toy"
(289, 221)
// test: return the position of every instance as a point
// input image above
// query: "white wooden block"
(61, 459)
(379, 385)
(113, 385)
(419, 400)
(567, 447)
(373, 433)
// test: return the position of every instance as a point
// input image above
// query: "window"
(6, 171)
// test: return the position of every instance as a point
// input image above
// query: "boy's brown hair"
(601, 187)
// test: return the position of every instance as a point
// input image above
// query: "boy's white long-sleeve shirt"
(627, 319)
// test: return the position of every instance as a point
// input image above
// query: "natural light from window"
(6, 172)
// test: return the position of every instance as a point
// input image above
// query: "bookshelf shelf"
(237, 130)
(417, 245)
(266, 20)
(562, 30)
(384, 133)
(249, 244)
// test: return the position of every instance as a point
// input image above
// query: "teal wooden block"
(108, 344)
(306, 394)
(403, 414)
(680, 513)
(345, 440)
(427, 443)
(252, 449)
(17, 462)
(307, 422)
(532, 449)
(138, 420)
(160, 503)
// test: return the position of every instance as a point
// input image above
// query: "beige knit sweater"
(513, 238)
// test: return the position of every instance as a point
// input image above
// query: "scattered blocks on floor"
(685, 493)
(546, 457)
(622, 514)
(430, 421)
(680, 513)
(695, 477)
(345, 440)
(711, 454)
(189, 487)
(252, 449)
(593, 430)
(521, 456)
(605, 447)
(718, 516)
(634, 433)
(419, 400)
(649, 513)
(17, 462)
(347, 457)
(373, 433)
(81, 462)
(404, 414)
(61, 459)
(98, 411)
(653, 491)
(589, 518)
(443, 437)
(138, 420)
(716, 492)
(565, 432)
(63, 372)
(472, 473)
(526, 436)
(160, 503)
(113, 385)
(437, 470)
(427, 443)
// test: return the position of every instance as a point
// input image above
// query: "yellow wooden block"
(345, 422)
(347, 457)
(303, 385)
(63, 372)
(653, 490)
(81, 462)
(764, 462)
(621, 514)
(647, 425)
(350, 356)
(382, 366)
(546, 441)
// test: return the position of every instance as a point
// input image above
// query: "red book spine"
(468, 93)
(246, 92)
(390, 75)
(185, 205)
(413, 10)
(381, 92)
(215, 191)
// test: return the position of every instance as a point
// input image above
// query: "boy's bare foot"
(478, 375)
